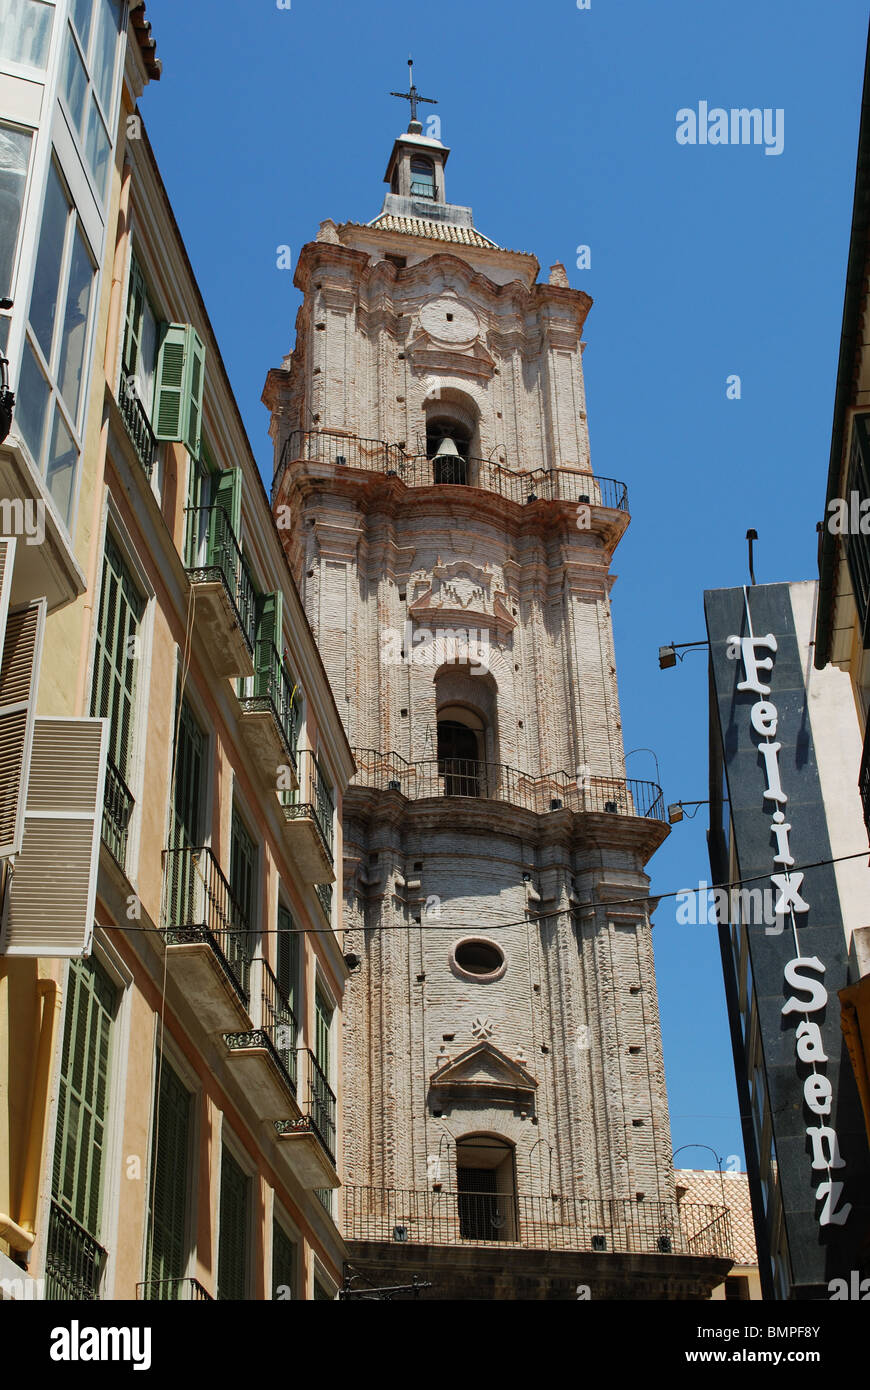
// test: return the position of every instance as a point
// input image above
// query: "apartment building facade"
(172, 976)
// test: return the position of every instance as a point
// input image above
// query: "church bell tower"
(504, 1113)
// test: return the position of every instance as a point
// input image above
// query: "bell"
(447, 449)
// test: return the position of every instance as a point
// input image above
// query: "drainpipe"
(49, 991)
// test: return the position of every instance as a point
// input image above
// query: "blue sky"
(706, 261)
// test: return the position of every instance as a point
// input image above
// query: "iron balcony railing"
(275, 1026)
(553, 791)
(138, 425)
(617, 1226)
(315, 800)
(275, 690)
(118, 806)
(74, 1261)
(318, 1103)
(173, 1290)
(200, 906)
(423, 190)
(418, 470)
(212, 553)
(324, 894)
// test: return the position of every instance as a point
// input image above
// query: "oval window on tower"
(478, 959)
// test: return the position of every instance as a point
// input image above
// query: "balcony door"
(113, 694)
(186, 830)
(168, 1189)
(486, 1188)
(458, 758)
(75, 1258)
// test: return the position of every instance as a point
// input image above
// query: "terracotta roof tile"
(705, 1185)
(435, 231)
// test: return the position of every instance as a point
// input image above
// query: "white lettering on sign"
(803, 973)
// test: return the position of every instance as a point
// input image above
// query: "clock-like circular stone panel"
(449, 322)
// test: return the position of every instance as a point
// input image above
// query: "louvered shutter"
(287, 972)
(19, 677)
(169, 412)
(233, 1243)
(195, 385)
(53, 890)
(269, 640)
(80, 1140)
(226, 511)
(170, 1158)
(283, 1262)
(136, 295)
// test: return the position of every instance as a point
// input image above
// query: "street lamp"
(669, 656)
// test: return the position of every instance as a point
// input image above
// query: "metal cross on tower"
(413, 96)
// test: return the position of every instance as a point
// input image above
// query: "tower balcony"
(467, 778)
(437, 1216)
(351, 455)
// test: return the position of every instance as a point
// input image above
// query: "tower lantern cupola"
(416, 167)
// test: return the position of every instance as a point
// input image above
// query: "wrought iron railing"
(138, 425)
(118, 806)
(324, 894)
(200, 906)
(212, 553)
(318, 1103)
(275, 1026)
(74, 1260)
(418, 470)
(316, 801)
(423, 190)
(173, 1290)
(274, 689)
(620, 1226)
(464, 777)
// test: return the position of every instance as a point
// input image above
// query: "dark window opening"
(422, 178)
(478, 957)
(458, 761)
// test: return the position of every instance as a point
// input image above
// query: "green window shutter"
(226, 509)
(136, 296)
(83, 1093)
(243, 869)
(287, 972)
(322, 1021)
(270, 635)
(169, 404)
(180, 384)
(195, 387)
(233, 1240)
(283, 1263)
(117, 657)
(168, 1187)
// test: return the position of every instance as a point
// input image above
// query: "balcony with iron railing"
(74, 1260)
(523, 487)
(271, 714)
(309, 820)
(465, 777)
(208, 939)
(225, 592)
(264, 1057)
(456, 1218)
(118, 806)
(309, 1140)
(172, 1291)
(138, 425)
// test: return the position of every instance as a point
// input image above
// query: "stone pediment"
(427, 355)
(483, 1073)
(460, 594)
